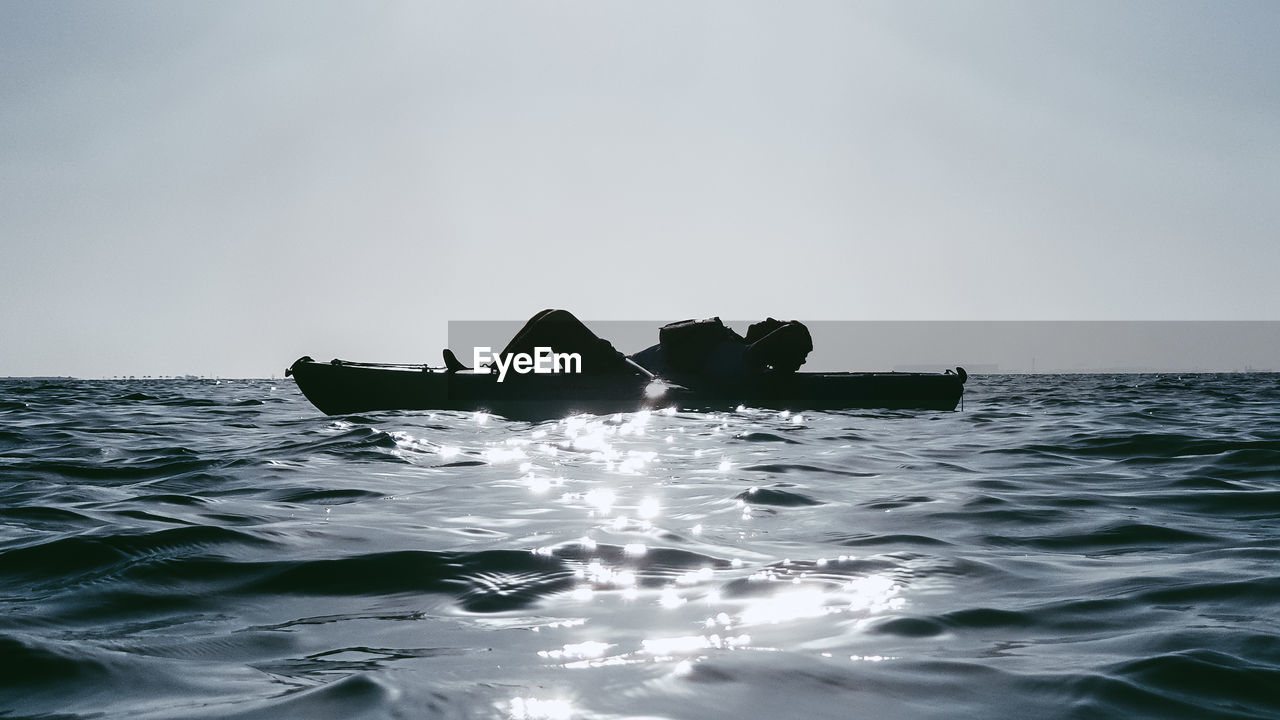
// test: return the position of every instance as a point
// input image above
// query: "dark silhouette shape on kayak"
(708, 352)
(696, 364)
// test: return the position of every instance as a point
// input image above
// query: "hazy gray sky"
(220, 187)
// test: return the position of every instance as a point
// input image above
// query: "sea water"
(1072, 546)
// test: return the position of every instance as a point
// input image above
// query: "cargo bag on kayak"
(688, 344)
(709, 347)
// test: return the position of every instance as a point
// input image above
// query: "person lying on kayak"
(710, 351)
(693, 350)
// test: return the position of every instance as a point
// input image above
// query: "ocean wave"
(1071, 546)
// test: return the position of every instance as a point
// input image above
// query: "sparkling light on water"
(623, 566)
(532, 708)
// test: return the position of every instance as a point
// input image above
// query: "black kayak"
(340, 387)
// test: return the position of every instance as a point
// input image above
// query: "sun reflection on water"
(649, 508)
(601, 499)
(602, 576)
(785, 606)
(531, 708)
(588, 650)
(787, 593)
(540, 484)
(676, 610)
(500, 455)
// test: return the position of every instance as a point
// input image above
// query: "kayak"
(342, 387)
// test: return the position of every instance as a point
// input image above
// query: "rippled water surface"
(1065, 546)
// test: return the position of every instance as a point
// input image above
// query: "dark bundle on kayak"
(710, 351)
(778, 345)
(697, 364)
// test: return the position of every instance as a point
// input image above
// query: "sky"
(218, 188)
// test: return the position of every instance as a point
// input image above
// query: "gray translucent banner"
(979, 346)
